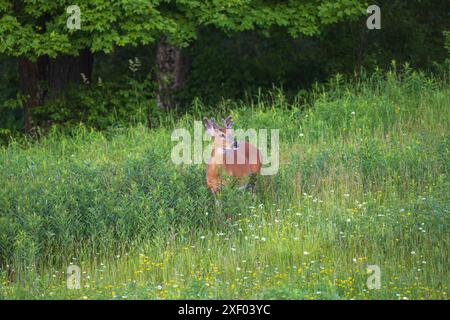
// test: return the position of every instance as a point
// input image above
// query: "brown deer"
(241, 161)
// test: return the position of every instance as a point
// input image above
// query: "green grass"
(364, 180)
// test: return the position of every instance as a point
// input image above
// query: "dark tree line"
(209, 49)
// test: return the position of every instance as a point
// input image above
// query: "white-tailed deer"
(241, 161)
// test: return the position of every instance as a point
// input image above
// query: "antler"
(227, 122)
(210, 123)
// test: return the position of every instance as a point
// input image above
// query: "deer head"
(222, 137)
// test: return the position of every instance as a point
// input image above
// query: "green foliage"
(37, 28)
(100, 105)
(447, 41)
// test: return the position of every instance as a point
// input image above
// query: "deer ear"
(214, 124)
(208, 126)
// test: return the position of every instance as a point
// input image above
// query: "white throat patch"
(224, 150)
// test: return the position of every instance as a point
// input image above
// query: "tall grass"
(364, 180)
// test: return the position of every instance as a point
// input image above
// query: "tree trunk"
(171, 73)
(46, 77)
(30, 85)
(65, 70)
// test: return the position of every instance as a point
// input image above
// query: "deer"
(238, 161)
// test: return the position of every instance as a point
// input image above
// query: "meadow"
(363, 180)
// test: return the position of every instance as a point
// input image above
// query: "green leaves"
(38, 27)
(334, 11)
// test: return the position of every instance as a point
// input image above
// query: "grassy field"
(363, 180)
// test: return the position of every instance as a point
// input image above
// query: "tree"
(52, 55)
